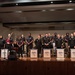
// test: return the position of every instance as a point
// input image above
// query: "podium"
(73, 54)
(60, 54)
(33, 53)
(46, 54)
(4, 53)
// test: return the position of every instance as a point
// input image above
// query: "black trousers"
(39, 50)
(20, 51)
(8, 46)
(28, 47)
(46, 47)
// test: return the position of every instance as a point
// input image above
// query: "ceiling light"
(18, 11)
(43, 10)
(70, 9)
(52, 10)
(17, 4)
(51, 2)
(70, 1)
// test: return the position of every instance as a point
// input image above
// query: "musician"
(58, 41)
(20, 46)
(63, 41)
(66, 46)
(51, 42)
(46, 41)
(15, 46)
(49, 35)
(74, 34)
(2, 42)
(67, 37)
(9, 42)
(29, 43)
(23, 39)
(38, 43)
(72, 41)
(55, 36)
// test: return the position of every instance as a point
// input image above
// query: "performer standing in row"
(67, 37)
(46, 42)
(38, 43)
(55, 36)
(74, 34)
(2, 42)
(20, 46)
(58, 41)
(71, 41)
(9, 42)
(23, 39)
(29, 43)
(51, 40)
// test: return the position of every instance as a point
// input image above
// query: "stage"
(27, 66)
(45, 59)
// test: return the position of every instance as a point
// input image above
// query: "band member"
(72, 41)
(66, 46)
(15, 46)
(23, 39)
(29, 43)
(58, 41)
(63, 41)
(20, 46)
(67, 37)
(9, 42)
(74, 34)
(49, 35)
(51, 42)
(55, 36)
(46, 42)
(2, 42)
(38, 43)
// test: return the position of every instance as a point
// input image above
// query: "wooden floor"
(40, 66)
(45, 59)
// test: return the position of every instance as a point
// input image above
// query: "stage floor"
(41, 59)
(47, 59)
(39, 66)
